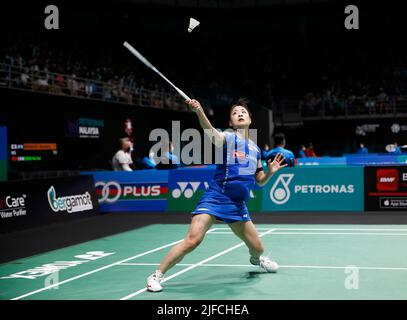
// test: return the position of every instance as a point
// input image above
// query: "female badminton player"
(225, 198)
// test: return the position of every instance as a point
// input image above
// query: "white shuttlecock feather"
(193, 23)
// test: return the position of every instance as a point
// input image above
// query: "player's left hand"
(275, 165)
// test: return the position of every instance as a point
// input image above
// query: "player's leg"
(246, 231)
(200, 224)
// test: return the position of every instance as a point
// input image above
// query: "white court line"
(325, 229)
(193, 266)
(100, 269)
(281, 266)
(96, 270)
(328, 233)
(346, 233)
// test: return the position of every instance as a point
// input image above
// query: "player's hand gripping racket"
(149, 65)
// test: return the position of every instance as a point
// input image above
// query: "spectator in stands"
(25, 79)
(362, 149)
(302, 153)
(310, 152)
(60, 83)
(370, 104)
(73, 85)
(279, 147)
(122, 160)
(382, 101)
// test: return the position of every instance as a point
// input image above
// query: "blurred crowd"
(365, 99)
(328, 80)
(43, 68)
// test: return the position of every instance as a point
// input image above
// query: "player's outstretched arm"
(218, 138)
(272, 167)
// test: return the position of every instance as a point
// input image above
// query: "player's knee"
(192, 242)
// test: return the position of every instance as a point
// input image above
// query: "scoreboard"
(33, 152)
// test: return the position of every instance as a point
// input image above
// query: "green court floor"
(317, 262)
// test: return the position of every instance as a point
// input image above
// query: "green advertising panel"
(315, 189)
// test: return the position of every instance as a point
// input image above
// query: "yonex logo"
(279, 192)
(187, 189)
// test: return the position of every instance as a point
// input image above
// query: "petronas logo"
(280, 192)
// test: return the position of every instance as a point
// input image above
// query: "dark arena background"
(330, 77)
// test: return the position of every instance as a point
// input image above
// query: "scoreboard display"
(32, 152)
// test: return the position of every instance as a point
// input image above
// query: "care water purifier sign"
(315, 189)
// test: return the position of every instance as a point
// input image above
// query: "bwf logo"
(280, 192)
(187, 189)
(387, 180)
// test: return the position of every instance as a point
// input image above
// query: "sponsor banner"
(402, 159)
(3, 170)
(386, 188)
(3, 153)
(3, 143)
(85, 128)
(54, 267)
(143, 190)
(25, 204)
(349, 155)
(321, 161)
(371, 160)
(315, 189)
(255, 203)
(186, 188)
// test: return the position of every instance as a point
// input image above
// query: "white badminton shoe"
(153, 282)
(265, 264)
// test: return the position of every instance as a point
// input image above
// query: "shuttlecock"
(192, 24)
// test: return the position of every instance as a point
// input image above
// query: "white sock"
(159, 273)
